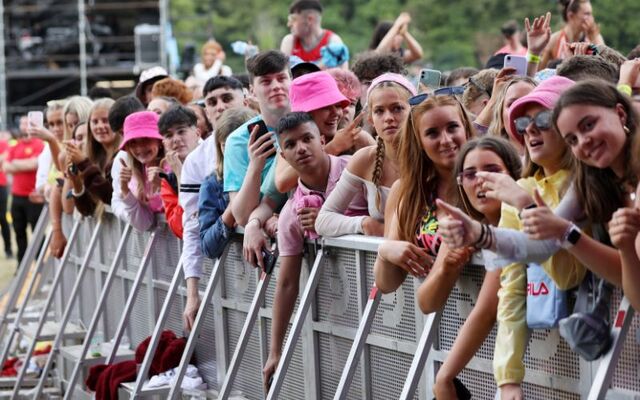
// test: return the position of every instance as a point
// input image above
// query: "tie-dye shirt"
(427, 233)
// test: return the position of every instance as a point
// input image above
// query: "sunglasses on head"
(542, 121)
(445, 91)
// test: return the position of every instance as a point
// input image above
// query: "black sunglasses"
(542, 121)
(445, 91)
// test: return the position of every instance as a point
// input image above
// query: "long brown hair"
(600, 191)
(138, 171)
(96, 152)
(419, 180)
(500, 147)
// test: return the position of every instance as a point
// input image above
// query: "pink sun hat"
(546, 94)
(315, 91)
(142, 124)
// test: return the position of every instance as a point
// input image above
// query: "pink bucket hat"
(391, 77)
(142, 124)
(315, 91)
(546, 94)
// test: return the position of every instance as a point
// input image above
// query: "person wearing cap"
(136, 171)
(147, 78)
(373, 169)
(547, 168)
(300, 144)
(307, 37)
(317, 93)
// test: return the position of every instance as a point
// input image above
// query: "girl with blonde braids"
(373, 169)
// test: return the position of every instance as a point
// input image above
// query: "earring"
(626, 129)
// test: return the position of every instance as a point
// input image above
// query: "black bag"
(588, 329)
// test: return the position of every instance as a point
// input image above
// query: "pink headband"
(391, 77)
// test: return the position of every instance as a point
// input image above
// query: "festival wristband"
(532, 58)
(624, 88)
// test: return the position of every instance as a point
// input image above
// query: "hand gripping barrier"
(337, 345)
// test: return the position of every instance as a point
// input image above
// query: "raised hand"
(538, 33)
(502, 187)
(457, 228)
(125, 177)
(540, 223)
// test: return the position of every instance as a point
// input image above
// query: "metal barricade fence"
(553, 371)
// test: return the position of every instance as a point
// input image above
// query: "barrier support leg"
(55, 348)
(609, 361)
(420, 358)
(143, 371)
(23, 268)
(358, 344)
(296, 328)
(245, 335)
(15, 328)
(131, 299)
(216, 274)
(100, 307)
(54, 285)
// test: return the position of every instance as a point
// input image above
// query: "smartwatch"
(571, 236)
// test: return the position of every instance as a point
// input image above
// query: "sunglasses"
(445, 91)
(468, 176)
(541, 120)
(478, 85)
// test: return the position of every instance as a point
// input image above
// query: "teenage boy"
(220, 93)
(178, 127)
(301, 145)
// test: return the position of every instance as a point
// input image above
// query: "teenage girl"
(95, 162)
(136, 171)
(429, 144)
(489, 154)
(373, 169)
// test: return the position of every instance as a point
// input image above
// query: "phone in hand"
(517, 62)
(262, 129)
(35, 119)
(430, 78)
(269, 259)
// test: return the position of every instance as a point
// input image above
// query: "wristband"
(624, 88)
(532, 58)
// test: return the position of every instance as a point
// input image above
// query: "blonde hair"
(419, 180)
(81, 107)
(229, 121)
(137, 168)
(378, 165)
(497, 128)
(479, 85)
(210, 45)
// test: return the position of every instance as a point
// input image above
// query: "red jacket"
(172, 209)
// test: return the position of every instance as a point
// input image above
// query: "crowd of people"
(533, 169)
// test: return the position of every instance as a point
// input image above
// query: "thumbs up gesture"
(457, 228)
(540, 223)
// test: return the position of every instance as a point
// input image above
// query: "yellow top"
(564, 269)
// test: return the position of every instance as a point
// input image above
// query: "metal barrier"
(388, 357)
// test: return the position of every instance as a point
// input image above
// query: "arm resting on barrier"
(476, 328)
(434, 291)
(193, 303)
(331, 221)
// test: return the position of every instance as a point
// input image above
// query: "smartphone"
(35, 118)
(269, 259)
(517, 62)
(262, 128)
(430, 78)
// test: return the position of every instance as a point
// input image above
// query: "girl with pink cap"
(373, 169)
(136, 171)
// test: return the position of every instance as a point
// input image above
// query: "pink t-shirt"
(290, 231)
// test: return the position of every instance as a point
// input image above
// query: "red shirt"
(4, 146)
(314, 54)
(24, 182)
(172, 210)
